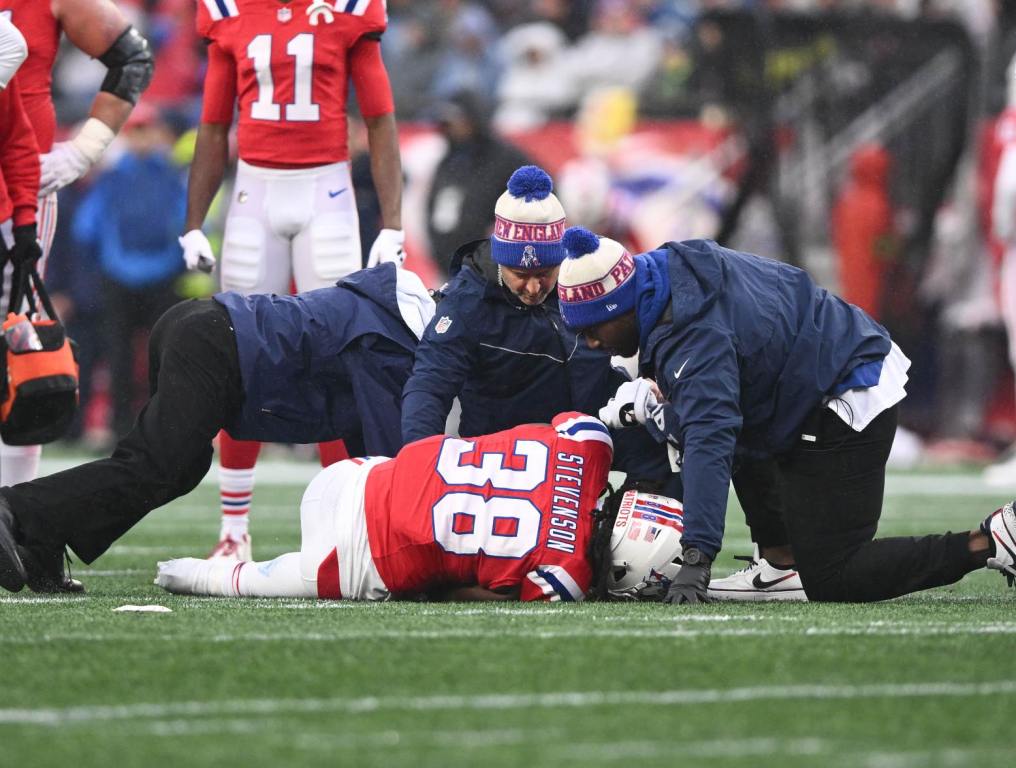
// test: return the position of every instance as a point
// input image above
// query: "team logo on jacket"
(529, 259)
(443, 324)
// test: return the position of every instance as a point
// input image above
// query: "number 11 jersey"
(511, 509)
(287, 67)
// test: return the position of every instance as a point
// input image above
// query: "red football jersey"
(504, 510)
(35, 20)
(291, 64)
(19, 158)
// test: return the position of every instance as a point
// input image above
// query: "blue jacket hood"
(696, 279)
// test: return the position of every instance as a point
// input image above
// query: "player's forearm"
(111, 110)
(206, 172)
(386, 167)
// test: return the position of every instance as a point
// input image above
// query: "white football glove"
(68, 161)
(197, 251)
(632, 404)
(387, 248)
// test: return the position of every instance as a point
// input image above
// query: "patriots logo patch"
(443, 324)
(529, 258)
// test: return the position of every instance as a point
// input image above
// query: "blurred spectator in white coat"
(620, 49)
(535, 83)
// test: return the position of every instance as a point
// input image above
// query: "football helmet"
(645, 546)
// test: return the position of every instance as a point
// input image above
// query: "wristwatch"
(695, 556)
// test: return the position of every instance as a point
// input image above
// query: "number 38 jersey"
(287, 65)
(511, 509)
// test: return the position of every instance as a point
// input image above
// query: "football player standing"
(98, 28)
(285, 66)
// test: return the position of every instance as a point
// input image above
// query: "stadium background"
(733, 120)
(746, 122)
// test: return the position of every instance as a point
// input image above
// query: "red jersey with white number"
(41, 30)
(511, 509)
(286, 66)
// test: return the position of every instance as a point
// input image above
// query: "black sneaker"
(12, 571)
(45, 570)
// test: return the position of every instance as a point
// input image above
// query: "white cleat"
(758, 581)
(1000, 527)
(181, 576)
(193, 576)
(238, 550)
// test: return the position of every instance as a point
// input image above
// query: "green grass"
(928, 680)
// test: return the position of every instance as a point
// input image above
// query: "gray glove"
(691, 582)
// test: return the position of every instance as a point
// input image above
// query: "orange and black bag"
(39, 393)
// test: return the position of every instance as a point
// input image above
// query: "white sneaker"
(758, 581)
(239, 550)
(1001, 474)
(1000, 527)
(192, 576)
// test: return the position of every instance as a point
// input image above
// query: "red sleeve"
(220, 87)
(203, 20)
(19, 155)
(565, 582)
(370, 78)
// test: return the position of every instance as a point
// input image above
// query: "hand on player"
(388, 248)
(691, 582)
(632, 404)
(197, 251)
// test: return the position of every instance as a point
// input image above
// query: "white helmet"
(645, 545)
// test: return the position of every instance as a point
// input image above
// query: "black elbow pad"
(130, 64)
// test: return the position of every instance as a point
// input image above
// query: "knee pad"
(334, 250)
(243, 255)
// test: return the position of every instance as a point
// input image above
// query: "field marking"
(47, 716)
(787, 627)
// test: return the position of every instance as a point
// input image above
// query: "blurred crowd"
(481, 87)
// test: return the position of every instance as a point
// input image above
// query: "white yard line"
(494, 702)
(786, 630)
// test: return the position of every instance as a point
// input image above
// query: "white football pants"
(290, 223)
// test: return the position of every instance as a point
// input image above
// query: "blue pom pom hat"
(528, 222)
(597, 280)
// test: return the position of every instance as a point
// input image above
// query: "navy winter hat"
(528, 222)
(597, 280)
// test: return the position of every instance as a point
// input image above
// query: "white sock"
(236, 488)
(280, 577)
(19, 463)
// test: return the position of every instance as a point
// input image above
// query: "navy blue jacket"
(508, 363)
(747, 347)
(324, 364)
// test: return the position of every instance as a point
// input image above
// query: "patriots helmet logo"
(318, 9)
(529, 258)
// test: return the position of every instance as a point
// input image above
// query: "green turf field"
(923, 681)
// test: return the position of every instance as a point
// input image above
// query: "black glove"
(691, 582)
(26, 250)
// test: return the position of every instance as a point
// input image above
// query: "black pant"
(126, 311)
(824, 497)
(194, 378)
